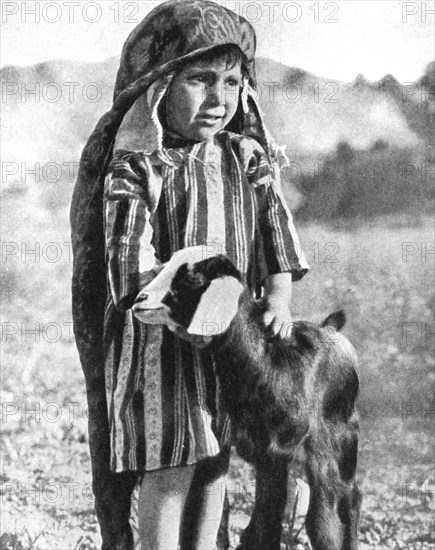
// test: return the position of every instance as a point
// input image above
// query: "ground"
(388, 296)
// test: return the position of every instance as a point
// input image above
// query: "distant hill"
(55, 121)
(313, 114)
(50, 109)
(309, 114)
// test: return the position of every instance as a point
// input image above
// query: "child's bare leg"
(161, 501)
(210, 514)
(204, 506)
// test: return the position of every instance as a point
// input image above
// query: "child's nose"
(214, 96)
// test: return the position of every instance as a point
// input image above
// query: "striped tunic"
(162, 393)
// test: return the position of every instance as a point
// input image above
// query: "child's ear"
(216, 308)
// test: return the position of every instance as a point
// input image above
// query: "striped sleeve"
(282, 251)
(127, 229)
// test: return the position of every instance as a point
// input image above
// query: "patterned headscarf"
(172, 34)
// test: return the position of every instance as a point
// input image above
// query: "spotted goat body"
(288, 399)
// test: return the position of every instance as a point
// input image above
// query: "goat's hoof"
(123, 541)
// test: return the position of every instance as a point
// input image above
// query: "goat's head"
(192, 293)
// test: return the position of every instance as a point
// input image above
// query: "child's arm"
(284, 259)
(127, 228)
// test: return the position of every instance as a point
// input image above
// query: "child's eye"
(232, 83)
(198, 78)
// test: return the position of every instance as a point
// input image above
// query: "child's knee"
(168, 481)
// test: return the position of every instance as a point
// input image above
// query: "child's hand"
(277, 317)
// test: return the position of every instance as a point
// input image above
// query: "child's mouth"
(209, 120)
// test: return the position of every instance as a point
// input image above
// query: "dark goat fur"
(285, 398)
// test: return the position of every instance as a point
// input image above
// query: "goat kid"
(287, 399)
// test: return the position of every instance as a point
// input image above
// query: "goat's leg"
(249, 538)
(335, 500)
(112, 491)
(207, 472)
(346, 445)
(265, 527)
(189, 525)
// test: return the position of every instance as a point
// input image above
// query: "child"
(206, 174)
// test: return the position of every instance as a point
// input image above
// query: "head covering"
(172, 34)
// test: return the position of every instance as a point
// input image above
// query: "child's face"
(203, 98)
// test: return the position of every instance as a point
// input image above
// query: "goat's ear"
(336, 320)
(216, 308)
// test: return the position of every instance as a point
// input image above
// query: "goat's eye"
(168, 299)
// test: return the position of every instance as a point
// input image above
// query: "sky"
(334, 39)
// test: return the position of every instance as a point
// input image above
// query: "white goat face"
(196, 294)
